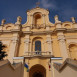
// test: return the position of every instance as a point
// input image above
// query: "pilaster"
(26, 44)
(62, 45)
(13, 48)
(49, 43)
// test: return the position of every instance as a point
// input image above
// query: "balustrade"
(37, 53)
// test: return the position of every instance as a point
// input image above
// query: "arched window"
(73, 51)
(37, 45)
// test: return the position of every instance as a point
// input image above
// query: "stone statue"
(19, 19)
(57, 19)
(3, 22)
(73, 19)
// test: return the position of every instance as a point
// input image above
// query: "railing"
(37, 53)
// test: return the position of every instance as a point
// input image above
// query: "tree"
(2, 53)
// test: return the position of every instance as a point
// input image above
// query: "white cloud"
(48, 4)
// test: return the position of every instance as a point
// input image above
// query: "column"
(49, 44)
(26, 44)
(62, 45)
(13, 48)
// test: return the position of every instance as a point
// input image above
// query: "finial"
(73, 19)
(37, 4)
(3, 22)
(19, 19)
(57, 19)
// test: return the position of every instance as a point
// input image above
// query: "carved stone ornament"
(15, 40)
(61, 38)
(26, 41)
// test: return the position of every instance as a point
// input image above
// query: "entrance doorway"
(38, 74)
(37, 71)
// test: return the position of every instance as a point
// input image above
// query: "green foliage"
(2, 53)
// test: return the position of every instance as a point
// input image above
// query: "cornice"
(72, 30)
(40, 57)
(5, 38)
(9, 31)
(50, 31)
(40, 32)
(27, 32)
(37, 32)
(60, 29)
(65, 30)
(43, 32)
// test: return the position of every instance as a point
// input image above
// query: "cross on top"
(37, 4)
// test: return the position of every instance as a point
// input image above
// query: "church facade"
(40, 42)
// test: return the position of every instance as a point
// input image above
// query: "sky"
(11, 9)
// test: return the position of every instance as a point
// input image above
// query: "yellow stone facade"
(58, 41)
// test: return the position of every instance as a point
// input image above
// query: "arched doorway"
(37, 71)
(38, 74)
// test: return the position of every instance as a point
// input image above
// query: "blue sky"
(10, 9)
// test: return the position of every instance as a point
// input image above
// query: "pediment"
(38, 9)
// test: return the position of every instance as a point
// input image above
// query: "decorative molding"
(15, 39)
(18, 58)
(56, 58)
(5, 38)
(71, 37)
(71, 41)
